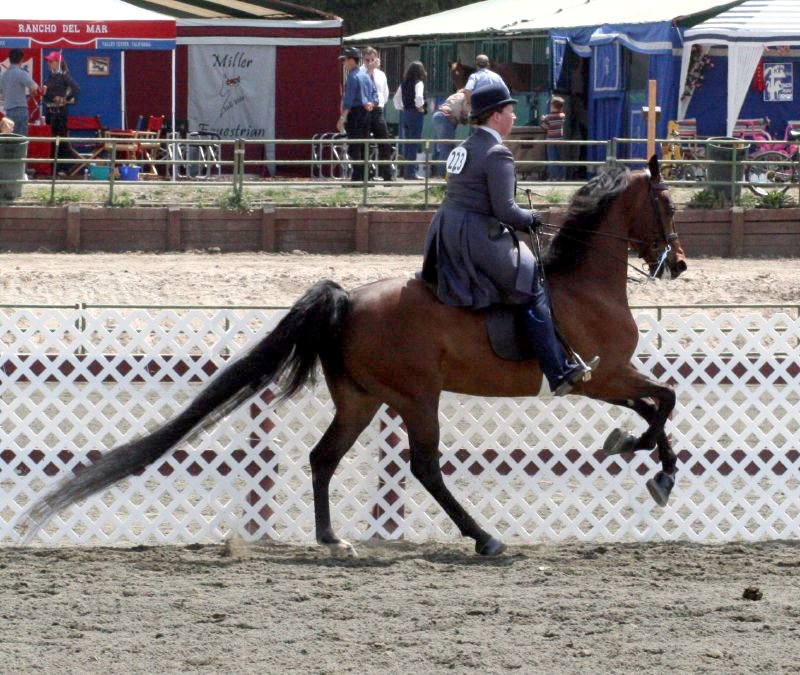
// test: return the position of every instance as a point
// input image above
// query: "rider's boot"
(537, 326)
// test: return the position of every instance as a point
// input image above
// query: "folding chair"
(149, 147)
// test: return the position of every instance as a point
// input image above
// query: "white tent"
(747, 30)
(517, 16)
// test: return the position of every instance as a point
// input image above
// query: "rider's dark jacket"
(470, 258)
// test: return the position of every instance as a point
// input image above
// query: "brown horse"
(459, 74)
(392, 342)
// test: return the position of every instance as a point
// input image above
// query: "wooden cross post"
(651, 118)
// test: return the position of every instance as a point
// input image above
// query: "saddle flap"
(502, 326)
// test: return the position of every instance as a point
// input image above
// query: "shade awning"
(86, 24)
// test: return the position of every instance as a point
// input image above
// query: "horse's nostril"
(678, 268)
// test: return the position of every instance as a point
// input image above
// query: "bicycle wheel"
(772, 167)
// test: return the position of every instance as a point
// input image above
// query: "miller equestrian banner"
(232, 90)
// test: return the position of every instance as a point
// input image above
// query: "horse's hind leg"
(422, 423)
(353, 413)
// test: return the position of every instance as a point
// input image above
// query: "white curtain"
(683, 103)
(743, 60)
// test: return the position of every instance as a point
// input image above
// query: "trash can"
(13, 151)
(723, 157)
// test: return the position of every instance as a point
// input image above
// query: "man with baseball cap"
(360, 97)
(473, 257)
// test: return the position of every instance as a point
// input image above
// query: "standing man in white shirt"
(481, 77)
(377, 122)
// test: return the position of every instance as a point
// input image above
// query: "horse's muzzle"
(676, 260)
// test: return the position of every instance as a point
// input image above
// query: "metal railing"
(328, 161)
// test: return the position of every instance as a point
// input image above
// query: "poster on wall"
(607, 68)
(232, 91)
(778, 82)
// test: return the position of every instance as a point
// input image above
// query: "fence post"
(111, 174)
(174, 228)
(238, 168)
(73, 227)
(54, 173)
(365, 170)
(268, 229)
(362, 230)
(737, 231)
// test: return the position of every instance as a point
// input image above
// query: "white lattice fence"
(79, 380)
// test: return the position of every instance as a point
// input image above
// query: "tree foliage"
(360, 16)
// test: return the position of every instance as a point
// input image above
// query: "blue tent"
(613, 109)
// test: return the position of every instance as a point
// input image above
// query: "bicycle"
(774, 161)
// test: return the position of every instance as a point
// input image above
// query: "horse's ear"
(655, 172)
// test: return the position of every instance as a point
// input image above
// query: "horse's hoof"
(340, 547)
(619, 441)
(660, 487)
(490, 547)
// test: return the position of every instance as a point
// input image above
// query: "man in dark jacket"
(472, 255)
(360, 97)
(60, 90)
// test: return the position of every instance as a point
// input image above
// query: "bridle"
(660, 236)
(663, 235)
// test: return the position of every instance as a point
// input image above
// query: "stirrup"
(581, 373)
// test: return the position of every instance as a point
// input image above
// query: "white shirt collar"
(493, 132)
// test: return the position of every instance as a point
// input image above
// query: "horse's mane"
(586, 211)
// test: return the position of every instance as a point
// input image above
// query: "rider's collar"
(493, 132)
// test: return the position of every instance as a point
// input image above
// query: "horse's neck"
(603, 271)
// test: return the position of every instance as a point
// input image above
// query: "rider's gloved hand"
(537, 221)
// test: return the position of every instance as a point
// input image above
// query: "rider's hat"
(490, 97)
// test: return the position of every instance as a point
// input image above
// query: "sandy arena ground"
(399, 608)
(264, 279)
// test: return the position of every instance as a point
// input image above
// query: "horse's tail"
(311, 330)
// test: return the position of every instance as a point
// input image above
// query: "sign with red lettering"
(136, 34)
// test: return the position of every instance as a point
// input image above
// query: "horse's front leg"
(654, 404)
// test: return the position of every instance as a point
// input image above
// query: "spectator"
(409, 99)
(377, 121)
(454, 111)
(482, 76)
(6, 125)
(360, 98)
(60, 91)
(553, 124)
(15, 85)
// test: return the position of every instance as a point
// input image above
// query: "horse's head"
(653, 234)
(459, 74)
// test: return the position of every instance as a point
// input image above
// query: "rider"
(472, 254)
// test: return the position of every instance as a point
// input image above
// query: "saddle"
(505, 336)
(502, 325)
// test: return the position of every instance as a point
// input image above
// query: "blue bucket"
(129, 172)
